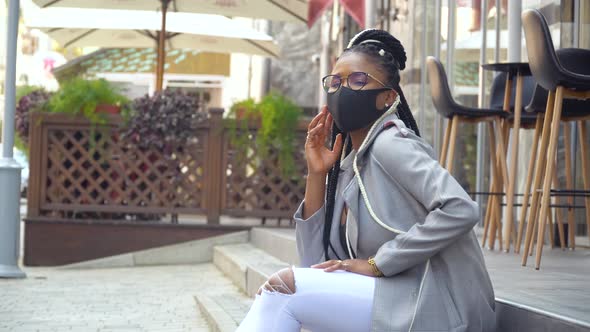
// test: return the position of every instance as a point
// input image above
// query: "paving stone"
(154, 298)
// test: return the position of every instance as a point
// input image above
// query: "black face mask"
(354, 109)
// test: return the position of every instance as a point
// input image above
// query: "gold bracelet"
(376, 270)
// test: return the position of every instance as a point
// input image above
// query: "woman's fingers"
(315, 132)
(328, 120)
(338, 266)
(328, 124)
(331, 265)
(317, 119)
(325, 264)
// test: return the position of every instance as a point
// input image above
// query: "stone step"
(512, 315)
(278, 242)
(247, 266)
(190, 252)
(224, 312)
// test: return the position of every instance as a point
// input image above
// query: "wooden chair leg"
(486, 223)
(445, 145)
(538, 178)
(492, 222)
(545, 198)
(494, 200)
(585, 171)
(569, 184)
(528, 183)
(550, 226)
(558, 214)
(533, 240)
(496, 220)
(503, 130)
(452, 142)
(512, 172)
(509, 221)
(505, 135)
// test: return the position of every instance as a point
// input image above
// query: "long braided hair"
(391, 60)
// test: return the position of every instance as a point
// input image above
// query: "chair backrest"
(541, 53)
(539, 100)
(571, 60)
(498, 90)
(439, 87)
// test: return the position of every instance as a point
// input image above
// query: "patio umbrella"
(275, 10)
(122, 29)
(279, 10)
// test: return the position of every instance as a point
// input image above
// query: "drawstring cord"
(357, 174)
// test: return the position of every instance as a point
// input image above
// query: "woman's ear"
(391, 96)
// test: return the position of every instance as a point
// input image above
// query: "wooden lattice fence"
(81, 172)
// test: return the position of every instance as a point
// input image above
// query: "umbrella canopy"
(270, 9)
(126, 28)
(277, 10)
(122, 29)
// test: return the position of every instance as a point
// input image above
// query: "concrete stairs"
(268, 250)
(248, 265)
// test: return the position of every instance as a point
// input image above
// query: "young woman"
(386, 242)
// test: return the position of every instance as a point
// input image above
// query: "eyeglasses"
(355, 81)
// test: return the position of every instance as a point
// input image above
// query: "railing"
(73, 176)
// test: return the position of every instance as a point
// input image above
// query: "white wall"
(236, 86)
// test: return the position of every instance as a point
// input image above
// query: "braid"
(331, 192)
(392, 59)
(404, 112)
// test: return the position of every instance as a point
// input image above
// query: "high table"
(518, 70)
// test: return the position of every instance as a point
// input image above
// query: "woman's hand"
(319, 158)
(359, 266)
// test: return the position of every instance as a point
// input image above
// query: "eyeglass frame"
(348, 84)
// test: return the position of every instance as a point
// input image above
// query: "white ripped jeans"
(322, 302)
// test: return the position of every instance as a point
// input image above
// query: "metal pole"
(576, 24)
(574, 128)
(325, 36)
(452, 21)
(438, 120)
(370, 11)
(498, 29)
(9, 168)
(514, 30)
(481, 101)
(421, 115)
(514, 48)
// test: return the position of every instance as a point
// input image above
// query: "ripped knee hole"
(282, 281)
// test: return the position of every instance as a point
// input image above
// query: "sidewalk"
(159, 298)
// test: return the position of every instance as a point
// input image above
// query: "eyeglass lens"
(356, 81)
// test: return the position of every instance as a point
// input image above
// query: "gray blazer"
(409, 191)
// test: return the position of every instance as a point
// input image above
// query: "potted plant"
(29, 99)
(241, 115)
(245, 110)
(277, 118)
(165, 121)
(278, 130)
(90, 98)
